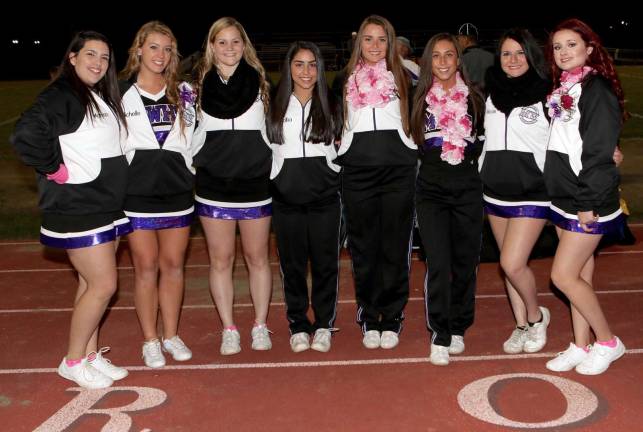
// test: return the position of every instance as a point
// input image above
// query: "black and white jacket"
(57, 129)
(513, 156)
(154, 169)
(580, 173)
(233, 149)
(302, 172)
(375, 137)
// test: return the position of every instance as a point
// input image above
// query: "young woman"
(582, 181)
(303, 126)
(71, 136)
(448, 118)
(232, 160)
(511, 168)
(160, 205)
(379, 160)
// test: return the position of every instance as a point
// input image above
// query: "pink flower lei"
(560, 101)
(371, 85)
(450, 111)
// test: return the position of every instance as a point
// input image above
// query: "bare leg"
(145, 255)
(221, 238)
(96, 266)
(520, 237)
(255, 240)
(173, 244)
(572, 256)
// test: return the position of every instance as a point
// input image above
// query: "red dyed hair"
(599, 59)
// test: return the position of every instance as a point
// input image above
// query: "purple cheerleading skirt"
(93, 237)
(233, 211)
(517, 209)
(159, 221)
(606, 225)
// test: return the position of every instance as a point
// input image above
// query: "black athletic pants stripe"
(378, 203)
(309, 232)
(450, 219)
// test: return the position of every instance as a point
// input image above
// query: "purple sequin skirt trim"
(517, 211)
(82, 241)
(613, 226)
(234, 213)
(161, 222)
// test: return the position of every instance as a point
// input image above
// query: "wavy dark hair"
(322, 125)
(393, 64)
(425, 82)
(107, 87)
(533, 53)
(598, 59)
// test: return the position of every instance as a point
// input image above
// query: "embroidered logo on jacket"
(528, 115)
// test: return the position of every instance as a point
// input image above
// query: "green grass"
(19, 216)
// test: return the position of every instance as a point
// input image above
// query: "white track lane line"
(248, 305)
(331, 363)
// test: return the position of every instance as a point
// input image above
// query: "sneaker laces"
(94, 355)
(229, 336)
(152, 348)
(176, 343)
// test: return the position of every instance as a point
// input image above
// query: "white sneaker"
(321, 340)
(600, 357)
(230, 342)
(372, 339)
(85, 375)
(178, 349)
(389, 339)
(152, 355)
(457, 344)
(516, 341)
(105, 366)
(439, 355)
(567, 360)
(537, 334)
(299, 342)
(261, 338)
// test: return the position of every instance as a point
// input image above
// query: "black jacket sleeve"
(56, 112)
(600, 127)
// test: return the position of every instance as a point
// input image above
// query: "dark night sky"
(191, 24)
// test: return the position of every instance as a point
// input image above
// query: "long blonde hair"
(393, 63)
(171, 72)
(249, 55)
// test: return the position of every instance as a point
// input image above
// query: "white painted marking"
(330, 363)
(119, 420)
(581, 401)
(248, 305)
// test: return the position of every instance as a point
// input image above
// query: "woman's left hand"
(587, 219)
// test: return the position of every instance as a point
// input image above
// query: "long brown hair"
(393, 64)
(425, 82)
(171, 72)
(208, 61)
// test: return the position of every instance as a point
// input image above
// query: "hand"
(587, 220)
(618, 156)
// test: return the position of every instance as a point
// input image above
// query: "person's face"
(444, 63)
(228, 47)
(373, 44)
(303, 69)
(570, 50)
(512, 59)
(91, 62)
(156, 52)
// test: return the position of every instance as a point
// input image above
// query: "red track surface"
(348, 389)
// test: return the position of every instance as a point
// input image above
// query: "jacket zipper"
(374, 121)
(303, 141)
(506, 127)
